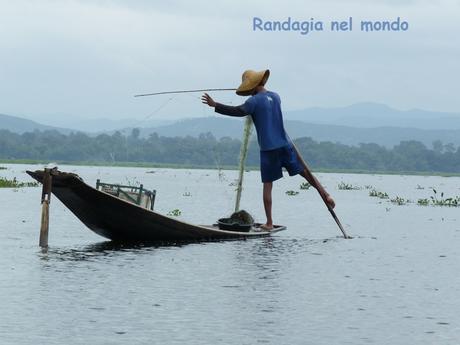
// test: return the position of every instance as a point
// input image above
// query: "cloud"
(87, 58)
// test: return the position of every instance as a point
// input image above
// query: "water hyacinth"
(14, 183)
(377, 194)
(346, 186)
(452, 201)
(174, 213)
(400, 201)
(305, 186)
(291, 192)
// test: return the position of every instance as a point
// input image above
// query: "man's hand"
(206, 99)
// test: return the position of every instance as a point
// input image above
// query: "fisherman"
(276, 149)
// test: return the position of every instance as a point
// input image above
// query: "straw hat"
(250, 80)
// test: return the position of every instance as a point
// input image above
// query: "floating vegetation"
(305, 186)
(186, 194)
(346, 186)
(174, 213)
(291, 192)
(419, 187)
(377, 194)
(423, 202)
(452, 201)
(434, 200)
(400, 201)
(150, 172)
(5, 183)
(3, 168)
(368, 186)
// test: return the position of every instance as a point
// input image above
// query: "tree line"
(206, 150)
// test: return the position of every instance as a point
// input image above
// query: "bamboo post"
(46, 198)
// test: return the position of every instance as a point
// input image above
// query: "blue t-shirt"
(265, 110)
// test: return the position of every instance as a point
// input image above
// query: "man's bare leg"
(268, 205)
(314, 181)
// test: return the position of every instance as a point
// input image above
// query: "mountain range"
(368, 115)
(358, 123)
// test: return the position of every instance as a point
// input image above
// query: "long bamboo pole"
(316, 185)
(243, 156)
(181, 91)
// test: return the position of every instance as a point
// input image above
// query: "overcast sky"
(88, 58)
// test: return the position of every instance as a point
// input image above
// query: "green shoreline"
(224, 167)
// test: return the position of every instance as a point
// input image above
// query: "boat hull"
(120, 220)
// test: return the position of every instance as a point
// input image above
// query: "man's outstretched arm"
(222, 108)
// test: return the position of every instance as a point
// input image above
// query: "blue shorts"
(273, 161)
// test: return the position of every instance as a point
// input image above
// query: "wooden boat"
(120, 220)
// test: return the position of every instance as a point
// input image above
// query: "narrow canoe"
(120, 220)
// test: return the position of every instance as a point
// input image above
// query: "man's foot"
(267, 227)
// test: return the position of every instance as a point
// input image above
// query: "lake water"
(396, 282)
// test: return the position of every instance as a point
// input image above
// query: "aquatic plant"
(305, 186)
(291, 192)
(452, 201)
(368, 186)
(174, 213)
(5, 183)
(423, 202)
(3, 168)
(419, 187)
(400, 201)
(186, 194)
(377, 194)
(434, 200)
(346, 186)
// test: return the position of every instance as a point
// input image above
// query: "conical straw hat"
(250, 80)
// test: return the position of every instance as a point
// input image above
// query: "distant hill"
(361, 123)
(20, 125)
(386, 136)
(99, 125)
(368, 115)
(218, 126)
(360, 115)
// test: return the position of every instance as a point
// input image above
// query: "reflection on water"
(394, 283)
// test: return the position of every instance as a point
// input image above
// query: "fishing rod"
(181, 91)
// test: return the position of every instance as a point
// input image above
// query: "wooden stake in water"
(243, 155)
(46, 198)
